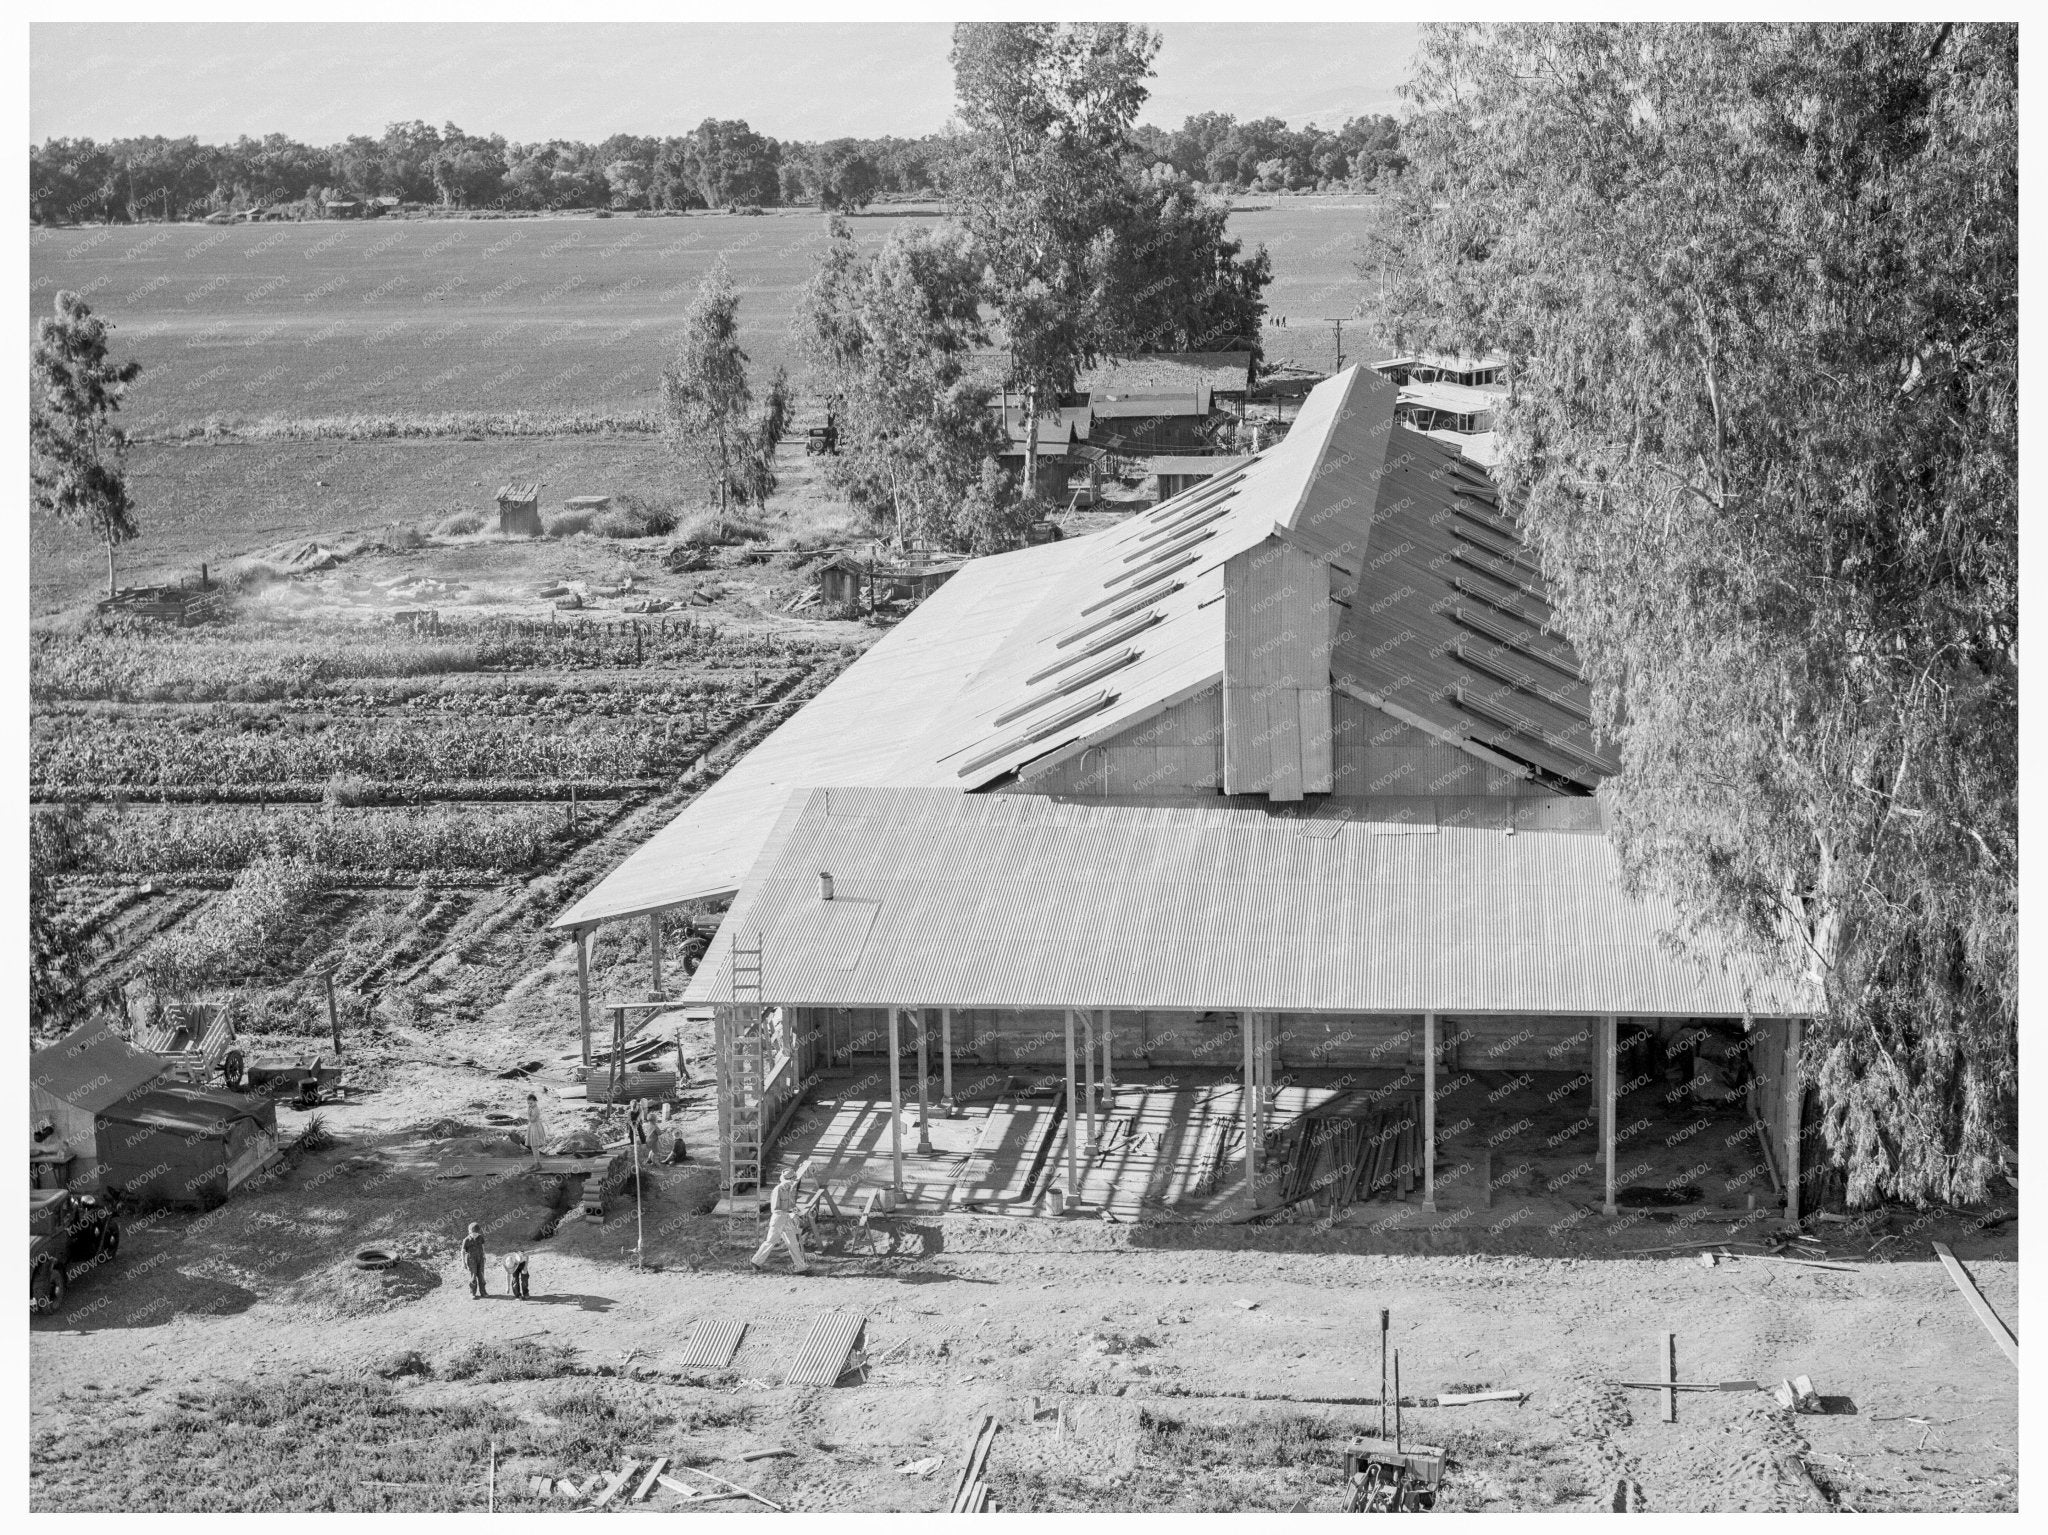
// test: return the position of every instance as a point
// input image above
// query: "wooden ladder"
(741, 1088)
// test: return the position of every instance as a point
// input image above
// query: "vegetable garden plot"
(482, 840)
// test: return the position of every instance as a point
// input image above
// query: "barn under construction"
(1241, 856)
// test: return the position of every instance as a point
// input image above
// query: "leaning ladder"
(742, 1062)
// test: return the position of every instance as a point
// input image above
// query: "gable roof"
(92, 1068)
(1167, 373)
(1398, 905)
(1025, 660)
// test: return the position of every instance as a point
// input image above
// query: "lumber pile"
(970, 1490)
(1361, 1151)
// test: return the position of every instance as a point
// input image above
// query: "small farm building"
(1225, 376)
(1173, 845)
(1178, 473)
(519, 510)
(74, 1083)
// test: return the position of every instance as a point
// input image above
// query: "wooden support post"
(1088, 1068)
(946, 1055)
(583, 988)
(1073, 1114)
(1668, 1367)
(1249, 1115)
(654, 947)
(1795, 1094)
(1609, 1035)
(895, 1108)
(1429, 1111)
(924, 1132)
(1102, 1022)
(333, 1013)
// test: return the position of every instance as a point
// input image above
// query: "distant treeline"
(719, 165)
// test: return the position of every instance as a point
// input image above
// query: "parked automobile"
(67, 1233)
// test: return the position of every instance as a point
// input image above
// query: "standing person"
(536, 1137)
(473, 1257)
(782, 1225)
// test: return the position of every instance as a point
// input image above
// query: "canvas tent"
(184, 1146)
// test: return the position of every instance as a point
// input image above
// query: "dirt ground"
(1207, 1323)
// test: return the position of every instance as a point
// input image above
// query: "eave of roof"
(1386, 905)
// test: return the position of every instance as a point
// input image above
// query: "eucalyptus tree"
(1758, 286)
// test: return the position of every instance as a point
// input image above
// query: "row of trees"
(1759, 286)
(719, 164)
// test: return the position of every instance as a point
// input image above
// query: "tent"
(177, 1145)
(72, 1083)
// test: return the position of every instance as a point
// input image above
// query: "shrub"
(402, 535)
(707, 529)
(567, 524)
(246, 577)
(348, 789)
(460, 525)
(619, 524)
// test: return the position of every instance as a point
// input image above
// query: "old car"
(67, 1233)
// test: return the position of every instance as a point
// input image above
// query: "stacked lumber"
(970, 1490)
(1360, 1151)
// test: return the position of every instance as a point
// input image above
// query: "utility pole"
(1339, 324)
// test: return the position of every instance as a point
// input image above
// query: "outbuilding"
(519, 510)
(185, 1147)
(72, 1085)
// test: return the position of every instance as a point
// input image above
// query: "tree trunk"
(1031, 443)
(111, 591)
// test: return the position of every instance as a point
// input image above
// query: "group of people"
(785, 1224)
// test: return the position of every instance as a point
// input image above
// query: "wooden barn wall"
(1378, 754)
(1037, 1037)
(1177, 750)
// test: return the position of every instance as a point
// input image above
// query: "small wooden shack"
(72, 1085)
(841, 580)
(519, 510)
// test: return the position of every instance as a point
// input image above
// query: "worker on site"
(782, 1224)
(516, 1276)
(473, 1257)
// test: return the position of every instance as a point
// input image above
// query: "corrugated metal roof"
(1215, 463)
(1457, 399)
(927, 698)
(1166, 372)
(854, 731)
(1381, 905)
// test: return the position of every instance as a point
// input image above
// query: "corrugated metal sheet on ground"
(822, 1357)
(1024, 901)
(713, 1344)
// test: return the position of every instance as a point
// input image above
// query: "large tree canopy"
(888, 335)
(1758, 286)
(1085, 251)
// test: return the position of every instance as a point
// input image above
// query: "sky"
(322, 82)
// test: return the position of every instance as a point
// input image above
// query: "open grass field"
(571, 315)
(531, 349)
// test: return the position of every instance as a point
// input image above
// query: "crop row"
(83, 750)
(217, 839)
(254, 662)
(348, 789)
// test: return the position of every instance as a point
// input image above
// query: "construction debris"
(923, 1467)
(1686, 1385)
(2000, 1333)
(1709, 1259)
(1798, 1395)
(970, 1492)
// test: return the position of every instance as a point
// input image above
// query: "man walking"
(473, 1257)
(782, 1225)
